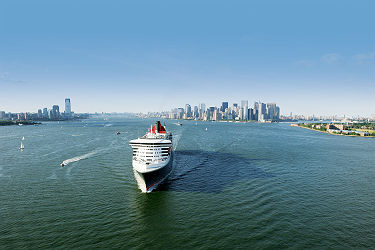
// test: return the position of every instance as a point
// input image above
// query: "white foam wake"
(78, 158)
(176, 139)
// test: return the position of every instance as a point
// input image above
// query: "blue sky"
(310, 57)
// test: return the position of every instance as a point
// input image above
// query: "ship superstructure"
(152, 157)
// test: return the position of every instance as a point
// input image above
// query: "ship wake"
(78, 158)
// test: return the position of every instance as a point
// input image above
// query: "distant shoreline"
(326, 132)
(20, 123)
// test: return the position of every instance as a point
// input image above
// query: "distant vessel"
(206, 129)
(22, 146)
(118, 132)
(179, 124)
(152, 157)
(23, 138)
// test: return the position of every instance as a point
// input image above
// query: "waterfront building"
(195, 112)
(224, 106)
(188, 110)
(68, 108)
(50, 114)
(250, 114)
(40, 114)
(277, 112)
(207, 115)
(244, 110)
(45, 113)
(56, 111)
(180, 113)
(2, 115)
(271, 111)
(202, 108)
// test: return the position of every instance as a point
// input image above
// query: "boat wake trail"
(176, 139)
(78, 158)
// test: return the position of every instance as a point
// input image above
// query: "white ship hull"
(149, 180)
(152, 158)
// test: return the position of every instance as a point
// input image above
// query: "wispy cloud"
(4, 77)
(335, 58)
(331, 58)
(364, 58)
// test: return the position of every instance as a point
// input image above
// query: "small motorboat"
(179, 124)
(118, 132)
(206, 129)
(62, 165)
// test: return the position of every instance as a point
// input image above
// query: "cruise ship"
(152, 157)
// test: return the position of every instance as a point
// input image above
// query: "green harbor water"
(234, 185)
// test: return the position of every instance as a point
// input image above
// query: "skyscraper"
(196, 113)
(40, 114)
(244, 109)
(180, 113)
(202, 109)
(56, 111)
(68, 108)
(188, 110)
(45, 113)
(224, 105)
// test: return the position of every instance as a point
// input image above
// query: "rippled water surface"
(235, 185)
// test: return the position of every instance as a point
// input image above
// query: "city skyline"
(313, 57)
(261, 112)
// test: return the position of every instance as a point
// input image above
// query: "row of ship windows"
(166, 154)
(150, 153)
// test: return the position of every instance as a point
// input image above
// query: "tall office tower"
(277, 113)
(56, 111)
(251, 117)
(215, 115)
(244, 109)
(180, 113)
(240, 114)
(263, 108)
(271, 108)
(2, 114)
(188, 110)
(50, 114)
(40, 114)
(255, 114)
(196, 113)
(224, 105)
(202, 109)
(260, 112)
(45, 113)
(256, 106)
(68, 108)
(208, 115)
